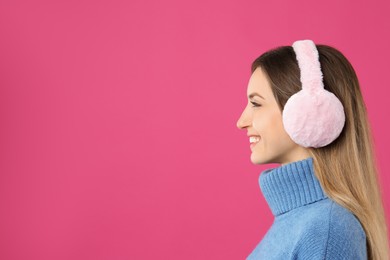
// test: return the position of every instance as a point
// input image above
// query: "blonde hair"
(346, 168)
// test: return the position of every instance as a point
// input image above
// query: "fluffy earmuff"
(312, 117)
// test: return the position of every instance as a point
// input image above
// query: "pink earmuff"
(312, 117)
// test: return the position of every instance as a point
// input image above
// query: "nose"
(243, 121)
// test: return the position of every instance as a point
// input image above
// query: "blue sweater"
(307, 224)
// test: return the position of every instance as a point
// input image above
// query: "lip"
(253, 144)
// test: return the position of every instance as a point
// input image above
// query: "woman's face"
(262, 118)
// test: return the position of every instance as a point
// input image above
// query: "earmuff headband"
(309, 64)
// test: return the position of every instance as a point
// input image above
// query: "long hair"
(347, 167)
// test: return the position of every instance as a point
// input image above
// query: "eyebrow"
(255, 94)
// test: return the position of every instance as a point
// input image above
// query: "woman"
(325, 195)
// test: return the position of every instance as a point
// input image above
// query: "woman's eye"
(255, 104)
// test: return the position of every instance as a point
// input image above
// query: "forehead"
(259, 83)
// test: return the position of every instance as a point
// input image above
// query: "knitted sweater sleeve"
(342, 238)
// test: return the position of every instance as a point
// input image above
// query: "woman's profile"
(306, 112)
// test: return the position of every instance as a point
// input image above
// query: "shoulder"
(344, 222)
(346, 235)
(332, 232)
(334, 220)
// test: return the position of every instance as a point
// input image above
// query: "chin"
(258, 159)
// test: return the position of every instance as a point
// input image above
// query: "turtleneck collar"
(290, 186)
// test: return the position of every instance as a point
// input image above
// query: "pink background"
(118, 121)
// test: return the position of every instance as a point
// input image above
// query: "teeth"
(254, 139)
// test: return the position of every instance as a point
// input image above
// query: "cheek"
(277, 121)
(268, 126)
(280, 131)
(276, 130)
(269, 121)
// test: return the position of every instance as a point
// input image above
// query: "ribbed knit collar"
(290, 186)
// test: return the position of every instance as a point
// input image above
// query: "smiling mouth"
(253, 144)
